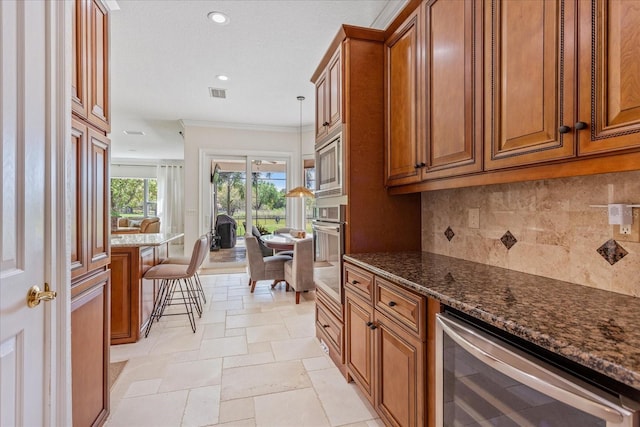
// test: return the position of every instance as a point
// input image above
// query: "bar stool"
(173, 276)
(184, 260)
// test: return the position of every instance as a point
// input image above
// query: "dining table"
(279, 242)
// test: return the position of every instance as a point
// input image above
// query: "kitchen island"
(131, 295)
(594, 328)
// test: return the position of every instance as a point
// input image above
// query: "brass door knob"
(35, 295)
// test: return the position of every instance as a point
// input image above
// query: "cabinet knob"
(422, 164)
(325, 326)
(355, 282)
(392, 304)
(325, 124)
(581, 125)
(369, 324)
(372, 327)
(564, 129)
(419, 165)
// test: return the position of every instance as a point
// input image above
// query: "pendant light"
(302, 191)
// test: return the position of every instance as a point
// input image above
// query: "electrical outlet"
(474, 218)
(628, 233)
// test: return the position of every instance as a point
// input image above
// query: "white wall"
(202, 141)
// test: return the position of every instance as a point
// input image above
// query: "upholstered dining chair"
(265, 250)
(263, 268)
(175, 277)
(298, 272)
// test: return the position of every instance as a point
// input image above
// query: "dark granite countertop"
(595, 328)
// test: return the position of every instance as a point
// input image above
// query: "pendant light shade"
(300, 192)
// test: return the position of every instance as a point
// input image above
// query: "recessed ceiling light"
(218, 18)
(133, 132)
(222, 77)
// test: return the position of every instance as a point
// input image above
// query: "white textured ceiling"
(165, 55)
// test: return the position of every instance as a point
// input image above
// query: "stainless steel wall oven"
(328, 240)
(488, 378)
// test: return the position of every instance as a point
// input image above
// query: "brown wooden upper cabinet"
(608, 76)
(402, 73)
(529, 82)
(453, 83)
(433, 93)
(329, 97)
(90, 63)
(512, 88)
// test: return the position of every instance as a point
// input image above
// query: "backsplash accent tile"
(612, 251)
(508, 240)
(557, 232)
(449, 233)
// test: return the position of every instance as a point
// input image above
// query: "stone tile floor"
(253, 361)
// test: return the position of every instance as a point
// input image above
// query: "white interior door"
(28, 351)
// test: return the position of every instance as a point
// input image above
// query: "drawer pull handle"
(392, 303)
(325, 326)
(355, 282)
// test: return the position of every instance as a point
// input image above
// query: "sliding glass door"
(258, 201)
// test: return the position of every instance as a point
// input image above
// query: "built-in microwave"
(329, 168)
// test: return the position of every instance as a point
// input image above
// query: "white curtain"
(171, 198)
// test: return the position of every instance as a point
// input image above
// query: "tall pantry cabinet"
(88, 179)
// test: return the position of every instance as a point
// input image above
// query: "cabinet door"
(79, 102)
(98, 66)
(453, 89)
(402, 67)
(400, 374)
(98, 222)
(609, 76)
(78, 189)
(90, 350)
(359, 342)
(321, 106)
(334, 92)
(530, 82)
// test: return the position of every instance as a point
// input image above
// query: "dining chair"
(174, 277)
(298, 272)
(263, 268)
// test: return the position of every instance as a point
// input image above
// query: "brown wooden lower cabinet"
(399, 373)
(90, 325)
(132, 296)
(330, 327)
(385, 354)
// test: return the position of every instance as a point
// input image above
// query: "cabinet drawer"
(406, 307)
(359, 281)
(330, 325)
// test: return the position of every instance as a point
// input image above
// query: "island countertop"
(595, 328)
(142, 239)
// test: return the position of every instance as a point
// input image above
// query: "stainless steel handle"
(335, 228)
(530, 373)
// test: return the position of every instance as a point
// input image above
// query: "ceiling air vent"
(217, 92)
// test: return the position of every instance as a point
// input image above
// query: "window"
(134, 197)
(310, 183)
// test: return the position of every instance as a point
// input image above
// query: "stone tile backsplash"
(558, 233)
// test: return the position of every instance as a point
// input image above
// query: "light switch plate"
(634, 235)
(474, 218)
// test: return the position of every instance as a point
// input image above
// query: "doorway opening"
(247, 196)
